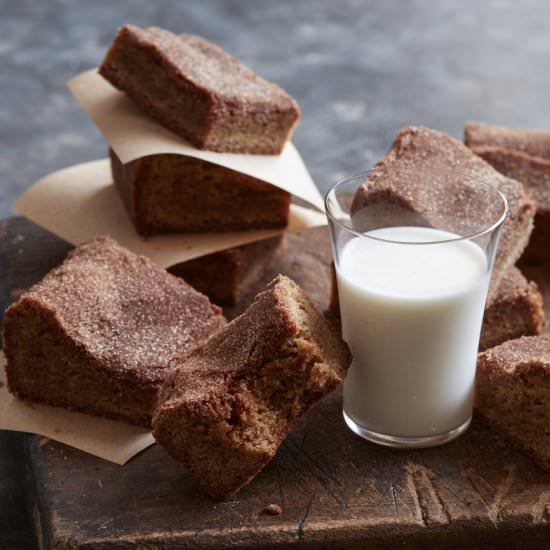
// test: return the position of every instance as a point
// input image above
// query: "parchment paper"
(80, 202)
(115, 441)
(133, 134)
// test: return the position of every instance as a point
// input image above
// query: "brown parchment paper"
(81, 202)
(133, 134)
(115, 441)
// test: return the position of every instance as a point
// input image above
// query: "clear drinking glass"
(412, 289)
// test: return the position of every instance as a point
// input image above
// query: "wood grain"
(335, 490)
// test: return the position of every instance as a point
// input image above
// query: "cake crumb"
(273, 510)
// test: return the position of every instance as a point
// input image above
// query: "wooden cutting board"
(335, 490)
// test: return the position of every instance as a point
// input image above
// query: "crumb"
(273, 510)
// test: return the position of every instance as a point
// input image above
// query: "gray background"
(359, 69)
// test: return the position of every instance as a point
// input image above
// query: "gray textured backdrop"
(359, 69)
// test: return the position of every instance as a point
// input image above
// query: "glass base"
(405, 442)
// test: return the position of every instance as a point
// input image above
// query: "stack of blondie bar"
(213, 102)
(110, 333)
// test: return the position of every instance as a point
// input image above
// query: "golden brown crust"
(200, 92)
(229, 406)
(178, 194)
(101, 330)
(511, 355)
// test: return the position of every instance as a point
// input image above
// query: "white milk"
(412, 316)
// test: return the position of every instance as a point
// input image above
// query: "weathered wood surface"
(15, 528)
(335, 490)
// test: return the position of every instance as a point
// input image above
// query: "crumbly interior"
(516, 403)
(134, 69)
(253, 410)
(184, 194)
(227, 454)
(216, 275)
(261, 132)
(225, 276)
(47, 367)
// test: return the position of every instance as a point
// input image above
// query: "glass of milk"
(412, 291)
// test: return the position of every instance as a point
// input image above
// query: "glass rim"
(485, 230)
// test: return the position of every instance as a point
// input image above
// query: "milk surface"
(412, 315)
